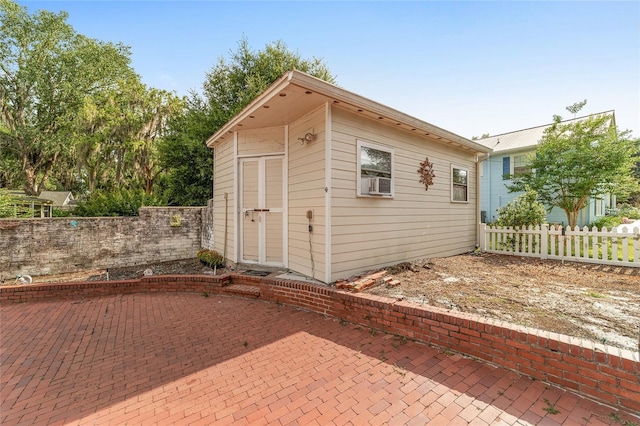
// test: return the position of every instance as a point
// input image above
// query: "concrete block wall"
(61, 245)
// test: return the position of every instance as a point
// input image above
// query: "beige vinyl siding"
(223, 182)
(306, 170)
(374, 232)
(261, 141)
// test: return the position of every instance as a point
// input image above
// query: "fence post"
(483, 236)
(544, 241)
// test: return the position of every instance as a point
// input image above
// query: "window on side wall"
(520, 166)
(459, 184)
(375, 170)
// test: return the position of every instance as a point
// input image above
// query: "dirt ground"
(594, 302)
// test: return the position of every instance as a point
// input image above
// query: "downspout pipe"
(479, 160)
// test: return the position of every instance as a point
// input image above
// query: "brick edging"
(604, 373)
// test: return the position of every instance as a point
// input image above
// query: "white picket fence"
(619, 246)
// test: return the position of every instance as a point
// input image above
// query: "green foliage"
(119, 129)
(210, 257)
(580, 159)
(608, 221)
(6, 204)
(75, 116)
(58, 212)
(229, 86)
(232, 84)
(188, 161)
(48, 70)
(122, 202)
(522, 212)
(629, 211)
(11, 206)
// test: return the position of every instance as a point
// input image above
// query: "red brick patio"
(189, 359)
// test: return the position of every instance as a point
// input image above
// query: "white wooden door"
(261, 210)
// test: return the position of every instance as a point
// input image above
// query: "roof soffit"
(297, 93)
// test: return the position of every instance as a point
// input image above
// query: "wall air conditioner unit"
(379, 186)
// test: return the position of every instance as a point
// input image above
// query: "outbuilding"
(321, 181)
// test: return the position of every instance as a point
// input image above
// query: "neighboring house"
(326, 183)
(43, 205)
(509, 157)
(59, 198)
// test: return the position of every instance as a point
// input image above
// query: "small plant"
(596, 295)
(383, 356)
(398, 340)
(400, 370)
(245, 343)
(205, 294)
(550, 408)
(210, 258)
(616, 418)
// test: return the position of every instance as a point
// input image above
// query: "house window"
(598, 206)
(514, 166)
(520, 166)
(459, 184)
(375, 167)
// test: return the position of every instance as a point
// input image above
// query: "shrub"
(210, 258)
(629, 211)
(123, 202)
(11, 206)
(524, 211)
(608, 221)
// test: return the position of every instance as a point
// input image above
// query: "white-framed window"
(459, 184)
(599, 203)
(519, 165)
(515, 165)
(375, 170)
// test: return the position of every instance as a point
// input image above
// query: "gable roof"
(527, 138)
(59, 198)
(296, 93)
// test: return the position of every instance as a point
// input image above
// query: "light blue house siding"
(508, 157)
(494, 194)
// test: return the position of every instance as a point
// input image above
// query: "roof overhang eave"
(344, 96)
(263, 98)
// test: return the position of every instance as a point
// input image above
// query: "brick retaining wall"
(60, 245)
(600, 372)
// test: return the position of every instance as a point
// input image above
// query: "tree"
(229, 86)
(575, 108)
(484, 135)
(183, 153)
(46, 72)
(577, 160)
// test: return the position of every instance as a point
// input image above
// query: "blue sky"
(470, 67)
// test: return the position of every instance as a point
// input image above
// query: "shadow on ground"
(186, 358)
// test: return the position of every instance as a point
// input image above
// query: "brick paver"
(189, 359)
